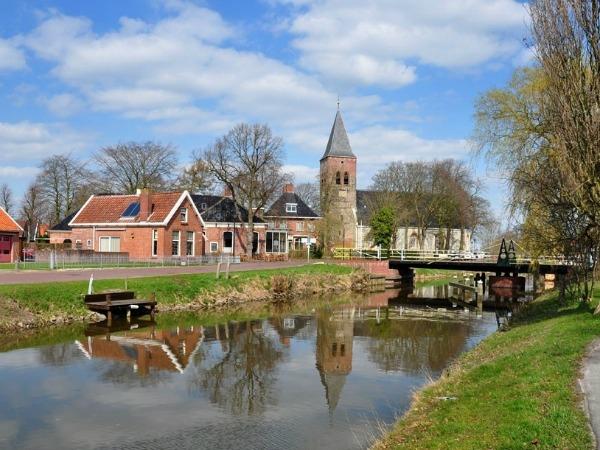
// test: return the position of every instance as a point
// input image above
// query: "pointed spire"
(338, 144)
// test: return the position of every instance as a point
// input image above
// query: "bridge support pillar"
(407, 275)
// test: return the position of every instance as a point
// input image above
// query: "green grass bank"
(36, 304)
(516, 389)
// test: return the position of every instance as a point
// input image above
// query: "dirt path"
(590, 385)
(19, 277)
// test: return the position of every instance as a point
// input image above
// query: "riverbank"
(35, 305)
(516, 389)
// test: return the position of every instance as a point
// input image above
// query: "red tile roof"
(8, 224)
(109, 208)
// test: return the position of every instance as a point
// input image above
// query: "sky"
(77, 76)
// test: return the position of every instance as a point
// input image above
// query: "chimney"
(144, 198)
(227, 192)
(288, 188)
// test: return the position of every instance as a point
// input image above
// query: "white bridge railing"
(437, 255)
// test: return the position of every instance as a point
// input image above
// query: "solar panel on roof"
(132, 210)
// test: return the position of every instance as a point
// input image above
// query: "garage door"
(5, 247)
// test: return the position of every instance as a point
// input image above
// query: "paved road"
(14, 277)
(590, 384)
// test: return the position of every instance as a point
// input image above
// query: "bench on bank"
(119, 303)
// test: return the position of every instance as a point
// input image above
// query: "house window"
(227, 241)
(299, 226)
(276, 242)
(189, 244)
(202, 206)
(311, 227)
(214, 247)
(154, 242)
(346, 178)
(175, 243)
(183, 213)
(291, 207)
(337, 178)
(107, 244)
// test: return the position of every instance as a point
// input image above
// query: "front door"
(5, 248)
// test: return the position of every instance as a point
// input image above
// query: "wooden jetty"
(114, 304)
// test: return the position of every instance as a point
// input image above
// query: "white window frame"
(89, 243)
(154, 240)
(279, 241)
(187, 241)
(110, 239)
(228, 249)
(183, 214)
(216, 244)
(291, 207)
(178, 242)
(299, 226)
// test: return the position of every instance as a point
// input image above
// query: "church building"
(347, 209)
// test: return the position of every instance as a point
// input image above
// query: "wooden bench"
(119, 304)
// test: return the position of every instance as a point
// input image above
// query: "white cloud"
(380, 42)
(63, 105)
(27, 141)
(302, 173)
(18, 172)
(11, 58)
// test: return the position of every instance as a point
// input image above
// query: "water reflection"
(295, 379)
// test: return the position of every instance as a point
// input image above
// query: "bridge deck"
(474, 266)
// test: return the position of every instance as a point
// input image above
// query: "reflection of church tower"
(335, 333)
(338, 183)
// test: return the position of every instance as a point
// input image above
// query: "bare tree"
(6, 197)
(130, 166)
(248, 161)
(309, 192)
(33, 210)
(61, 179)
(197, 177)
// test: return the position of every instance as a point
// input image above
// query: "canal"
(328, 374)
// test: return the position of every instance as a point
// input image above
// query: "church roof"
(338, 144)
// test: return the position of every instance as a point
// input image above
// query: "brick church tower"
(338, 185)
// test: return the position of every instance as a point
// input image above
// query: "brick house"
(61, 233)
(224, 232)
(10, 232)
(291, 223)
(145, 225)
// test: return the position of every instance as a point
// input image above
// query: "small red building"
(10, 231)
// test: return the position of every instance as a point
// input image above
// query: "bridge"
(505, 263)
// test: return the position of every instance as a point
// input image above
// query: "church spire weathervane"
(338, 103)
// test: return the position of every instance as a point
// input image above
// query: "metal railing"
(438, 255)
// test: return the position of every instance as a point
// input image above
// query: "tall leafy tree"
(383, 224)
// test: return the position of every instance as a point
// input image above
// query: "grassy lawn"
(65, 297)
(517, 389)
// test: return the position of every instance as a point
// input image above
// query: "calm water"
(316, 377)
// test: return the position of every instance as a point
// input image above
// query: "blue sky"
(76, 76)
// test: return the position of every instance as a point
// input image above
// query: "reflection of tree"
(243, 378)
(58, 355)
(413, 345)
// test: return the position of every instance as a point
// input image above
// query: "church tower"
(338, 185)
